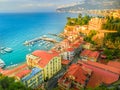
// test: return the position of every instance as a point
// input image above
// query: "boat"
(2, 48)
(2, 52)
(8, 50)
(2, 63)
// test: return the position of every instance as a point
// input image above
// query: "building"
(87, 45)
(68, 54)
(83, 27)
(31, 78)
(89, 55)
(65, 63)
(114, 64)
(102, 74)
(48, 61)
(68, 50)
(75, 78)
(96, 23)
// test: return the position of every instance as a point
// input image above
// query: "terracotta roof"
(104, 67)
(100, 75)
(85, 52)
(114, 64)
(89, 53)
(65, 62)
(45, 56)
(94, 54)
(77, 72)
(70, 49)
(16, 69)
(23, 73)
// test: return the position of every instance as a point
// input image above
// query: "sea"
(16, 28)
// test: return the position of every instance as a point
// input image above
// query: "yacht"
(2, 64)
(8, 50)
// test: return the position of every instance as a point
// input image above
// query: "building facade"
(48, 61)
(75, 78)
(88, 55)
(32, 78)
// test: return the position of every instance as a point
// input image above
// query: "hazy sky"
(32, 5)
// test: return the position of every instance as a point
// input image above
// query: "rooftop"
(33, 73)
(99, 75)
(76, 73)
(65, 62)
(14, 70)
(23, 73)
(114, 64)
(45, 56)
(104, 67)
(89, 53)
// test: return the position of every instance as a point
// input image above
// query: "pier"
(31, 42)
(60, 36)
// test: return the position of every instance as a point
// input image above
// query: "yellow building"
(48, 61)
(30, 78)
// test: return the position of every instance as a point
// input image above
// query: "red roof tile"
(94, 54)
(114, 64)
(9, 72)
(65, 62)
(85, 52)
(103, 66)
(100, 74)
(76, 71)
(23, 73)
(45, 56)
(70, 49)
(89, 53)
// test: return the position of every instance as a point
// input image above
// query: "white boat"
(2, 52)
(8, 50)
(2, 64)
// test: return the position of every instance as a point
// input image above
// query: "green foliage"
(8, 83)
(112, 53)
(112, 24)
(90, 36)
(78, 21)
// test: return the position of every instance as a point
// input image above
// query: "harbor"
(44, 38)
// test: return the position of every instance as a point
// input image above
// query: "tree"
(9, 83)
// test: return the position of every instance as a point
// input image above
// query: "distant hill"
(91, 5)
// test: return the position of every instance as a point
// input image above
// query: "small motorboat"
(8, 50)
(2, 63)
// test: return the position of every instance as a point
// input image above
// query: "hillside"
(91, 5)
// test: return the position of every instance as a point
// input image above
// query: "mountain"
(91, 5)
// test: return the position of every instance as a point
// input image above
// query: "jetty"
(57, 35)
(31, 42)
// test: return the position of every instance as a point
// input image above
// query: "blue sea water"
(15, 28)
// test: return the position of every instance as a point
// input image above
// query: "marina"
(44, 38)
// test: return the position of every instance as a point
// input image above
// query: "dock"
(56, 35)
(31, 42)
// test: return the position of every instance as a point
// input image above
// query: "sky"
(32, 5)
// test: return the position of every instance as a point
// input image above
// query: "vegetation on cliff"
(112, 40)
(9, 83)
(80, 20)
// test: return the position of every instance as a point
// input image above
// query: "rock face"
(91, 5)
